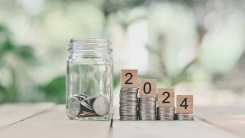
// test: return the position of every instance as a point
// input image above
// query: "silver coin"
(128, 104)
(101, 105)
(129, 89)
(128, 101)
(74, 106)
(80, 96)
(129, 117)
(147, 119)
(128, 93)
(147, 104)
(86, 105)
(148, 114)
(146, 109)
(128, 107)
(147, 99)
(129, 96)
(165, 108)
(167, 112)
(185, 117)
(127, 113)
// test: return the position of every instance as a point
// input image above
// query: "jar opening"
(89, 44)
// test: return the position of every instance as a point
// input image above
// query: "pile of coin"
(147, 108)
(128, 104)
(185, 117)
(80, 104)
(165, 113)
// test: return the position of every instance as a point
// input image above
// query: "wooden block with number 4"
(148, 88)
(166, 97)
(185, 104)
(129, 78)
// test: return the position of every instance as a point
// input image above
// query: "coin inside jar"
(101, 105)
(74, 106)
(86, 105)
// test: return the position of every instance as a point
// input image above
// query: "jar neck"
(89, 46)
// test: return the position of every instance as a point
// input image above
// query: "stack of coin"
(128, 104)
(185, 117)
(165, 113)
(147, 108)
(80, 104)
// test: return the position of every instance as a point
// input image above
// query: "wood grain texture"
(162, 95)
(168, 129)
(12, 113)
(147, 84)
(126, 77)
(181, 109)
(55, 124)
(229, 118)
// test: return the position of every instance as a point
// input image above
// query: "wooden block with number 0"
(166, 97)
(129, 78)
(148, 88)
(185, 104)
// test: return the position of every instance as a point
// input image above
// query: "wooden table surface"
(47, 120)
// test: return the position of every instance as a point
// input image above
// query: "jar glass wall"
(89, 81)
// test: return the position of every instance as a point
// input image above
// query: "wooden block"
(185, 104)
(148, 88)
(166, 97)
(129, 78)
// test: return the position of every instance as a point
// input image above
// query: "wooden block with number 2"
(185, 104)
(166, 97)
(129, 78)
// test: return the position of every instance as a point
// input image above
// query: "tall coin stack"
(165, 113)
(147, 108)
(128, 104)
(185, 117)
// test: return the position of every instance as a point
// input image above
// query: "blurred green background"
(195, 46)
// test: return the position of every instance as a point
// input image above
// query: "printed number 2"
(184, 103)
(131, 75)
(168, 94)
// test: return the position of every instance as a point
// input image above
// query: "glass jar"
(89, 80)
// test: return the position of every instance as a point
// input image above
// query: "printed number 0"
(131, 75)
(149, 88)
(168, 94)
(184, 103)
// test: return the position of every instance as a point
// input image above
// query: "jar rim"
(89, 44)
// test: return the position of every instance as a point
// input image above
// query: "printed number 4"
(184, 103)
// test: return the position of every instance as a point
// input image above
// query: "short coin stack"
(147, 108)
(185, 117)
(165, 113)
(128, 104)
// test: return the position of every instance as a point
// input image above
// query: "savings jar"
(89, 80)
